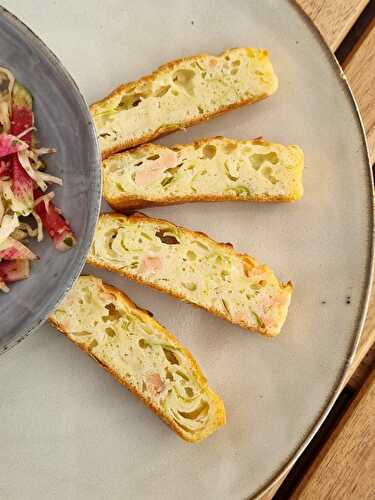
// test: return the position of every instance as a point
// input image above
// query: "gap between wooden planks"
(334, 18)
(344, 468)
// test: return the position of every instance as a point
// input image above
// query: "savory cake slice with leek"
(181, 93)
(192, 267)
(213, 169)
(140, 354)
(24, 186)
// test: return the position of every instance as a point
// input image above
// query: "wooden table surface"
(343, 467)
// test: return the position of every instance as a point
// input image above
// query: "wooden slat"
(361, 373)
(360, 71)
(344, 468)
(333, 18)
(356, 372)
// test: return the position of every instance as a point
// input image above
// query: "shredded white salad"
(23, 186)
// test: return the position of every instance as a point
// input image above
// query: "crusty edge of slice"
(127, 203)
(125, 87)
(168, 129)
(247, 259)
(219, 405)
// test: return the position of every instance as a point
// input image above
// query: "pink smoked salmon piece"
(152, 170)
(154, 381)
(212, 63)
(151, 264)
(279, 301)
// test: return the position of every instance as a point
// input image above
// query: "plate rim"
(365, 292)
(367, 288)
(96, 184)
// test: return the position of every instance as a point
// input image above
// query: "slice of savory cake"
(140, 354)
(180, 94)
(192, 267)
(213, 169)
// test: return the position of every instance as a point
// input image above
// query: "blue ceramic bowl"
(64, 122)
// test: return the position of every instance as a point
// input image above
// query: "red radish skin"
(22, 184)
(22, 119)
(4, 168)
(9, 144)
(15, 257)
(55, 224)
(14, 270)
(13, 249)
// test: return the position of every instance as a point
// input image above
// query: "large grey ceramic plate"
(63, 121)
(84, 436)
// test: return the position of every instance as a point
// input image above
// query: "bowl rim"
(96, 181)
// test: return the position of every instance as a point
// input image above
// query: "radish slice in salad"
(10, 144)
(24, 185)
(4, 168)
(22, 119)
(55, 224)
(6, 88)
(22, 115)
(14, 270)
(12, 249)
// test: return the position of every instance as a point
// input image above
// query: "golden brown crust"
(169, 66)
(172, 128)
(126, 203)
(126, 87)
(247, 260)
(220, 418)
